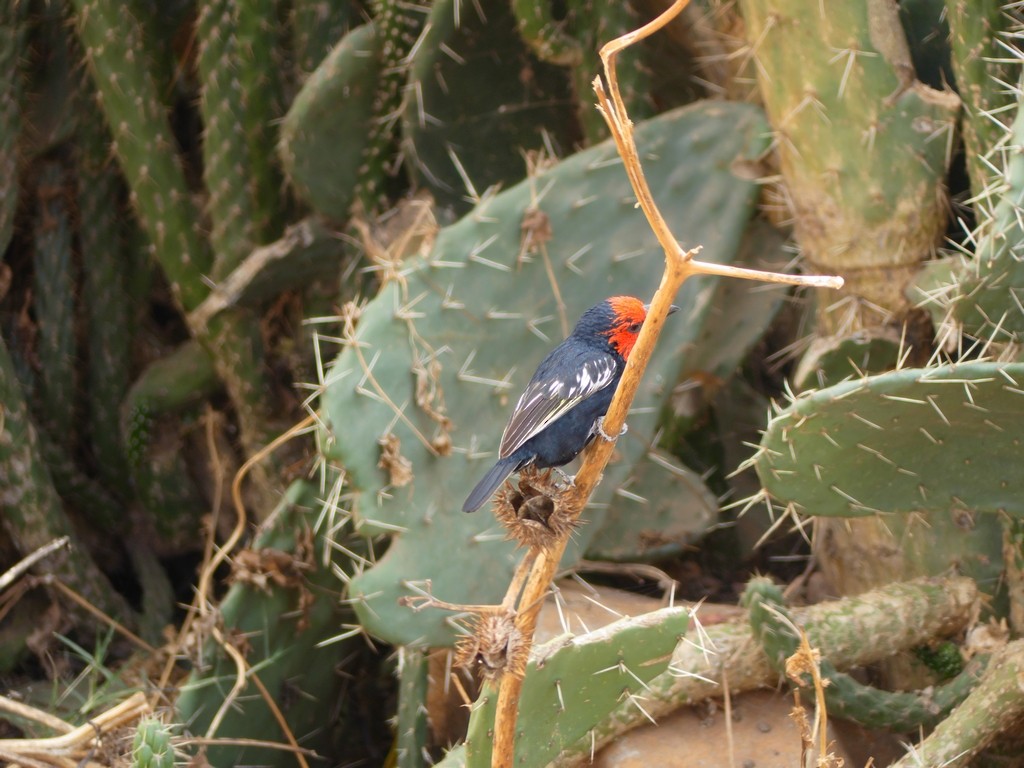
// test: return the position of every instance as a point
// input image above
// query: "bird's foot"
(605, 436)
(568, 480)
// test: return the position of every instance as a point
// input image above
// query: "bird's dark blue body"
(558, 414)
(562, 440)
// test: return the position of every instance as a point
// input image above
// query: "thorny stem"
(679, 265)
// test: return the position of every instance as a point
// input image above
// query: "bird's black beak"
(671, 310)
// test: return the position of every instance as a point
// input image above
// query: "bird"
(561, 410)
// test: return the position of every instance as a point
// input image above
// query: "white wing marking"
(545, 402)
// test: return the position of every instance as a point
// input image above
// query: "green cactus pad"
(863, 145)
(832, 359)
(286, 627)
(325, 129)
(990, 300)
(497, 117)
(916, 440)
(573, 683)
(481, 314)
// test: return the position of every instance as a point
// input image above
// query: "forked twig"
(679, 265)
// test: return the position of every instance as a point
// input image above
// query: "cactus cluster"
(151, 747)
(161, 254)
(844, 696)
(446, 325)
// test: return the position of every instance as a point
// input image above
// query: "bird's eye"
(635, 327)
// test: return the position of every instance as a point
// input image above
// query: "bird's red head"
(628, 315)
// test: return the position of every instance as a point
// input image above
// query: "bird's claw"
(605, 436)
(569, 480)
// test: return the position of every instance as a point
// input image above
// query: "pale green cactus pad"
(574, 683)
(915, 440)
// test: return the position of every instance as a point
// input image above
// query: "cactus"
(12, 53)
(923, 447)
(411, 724)
(49, 118)
(325, 128)
(151, 747)
(144, 144)
(33, 514)
(574, 42)
(169, 387)
(979, 29)
(107, 266)
(55, 300)
(852, 631)
(926, 26)
(497, 118)
(838, 358)
(844, 696)
(237, 106)
(352, 100)
(545, 35)
(913, 440)
(236, 112)
(316, 26)
(988, 302)
(992, 709)
(573, 683)
(283, 603)
(260, 74)
(452, 345)
(398, 26)
(863, 146)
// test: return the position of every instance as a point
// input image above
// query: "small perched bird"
(561, 410)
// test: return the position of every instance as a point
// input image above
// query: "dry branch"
(679, 265)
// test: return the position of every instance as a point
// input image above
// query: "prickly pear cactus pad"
(326, 127)
(933, 450)
(916, 440)
(497, 117)
(573, 683)
(990, 300)
(456, 335)
(283, 602)
(863, 145)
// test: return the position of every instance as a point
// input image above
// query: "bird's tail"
(489, 484)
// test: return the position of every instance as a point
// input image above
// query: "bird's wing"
(555, 390)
